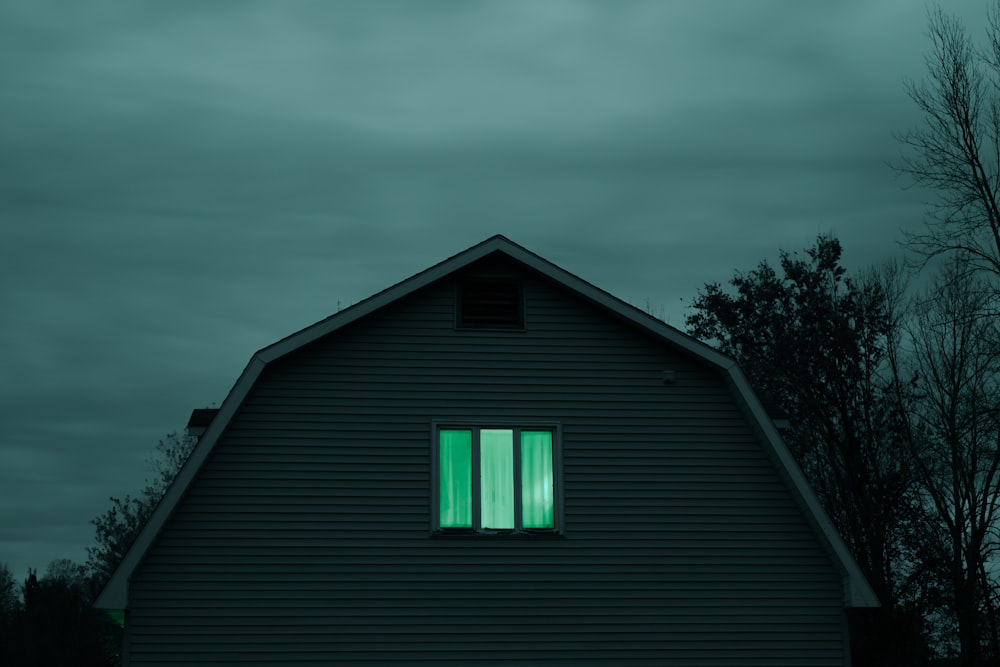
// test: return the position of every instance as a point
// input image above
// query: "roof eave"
(115, 592)
(857, 591)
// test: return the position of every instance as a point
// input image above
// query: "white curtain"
(455, 460)
(537, 494)
(496, 452)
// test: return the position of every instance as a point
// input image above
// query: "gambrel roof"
(857, 592)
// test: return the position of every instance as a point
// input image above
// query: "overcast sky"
(184, 183)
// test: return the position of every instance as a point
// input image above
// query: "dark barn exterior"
(492, 463)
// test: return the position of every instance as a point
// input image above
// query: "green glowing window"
(495, 479)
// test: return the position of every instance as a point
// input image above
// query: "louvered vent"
(491, 303)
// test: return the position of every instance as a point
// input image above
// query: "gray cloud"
(184, 183)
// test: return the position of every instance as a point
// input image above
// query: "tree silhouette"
(819, 345)
(56, 624)
(117, 528)
(954, 440)
(956, 152)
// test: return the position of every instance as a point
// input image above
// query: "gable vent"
(491, 303)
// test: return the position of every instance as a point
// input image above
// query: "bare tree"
(956, 152)
(954, 437)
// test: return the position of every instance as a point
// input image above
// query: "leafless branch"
(956, 152)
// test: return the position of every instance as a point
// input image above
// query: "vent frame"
(489, 302)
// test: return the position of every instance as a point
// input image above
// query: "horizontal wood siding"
(305, 538)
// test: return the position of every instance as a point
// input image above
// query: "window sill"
(517, 534)
(489, 330)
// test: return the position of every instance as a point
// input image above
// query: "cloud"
(184, 183)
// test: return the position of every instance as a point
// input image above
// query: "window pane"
(496, 452)
(537, 494)
(456, 479)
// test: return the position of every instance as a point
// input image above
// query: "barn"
(492, 463)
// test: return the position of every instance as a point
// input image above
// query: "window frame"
(476, 426)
